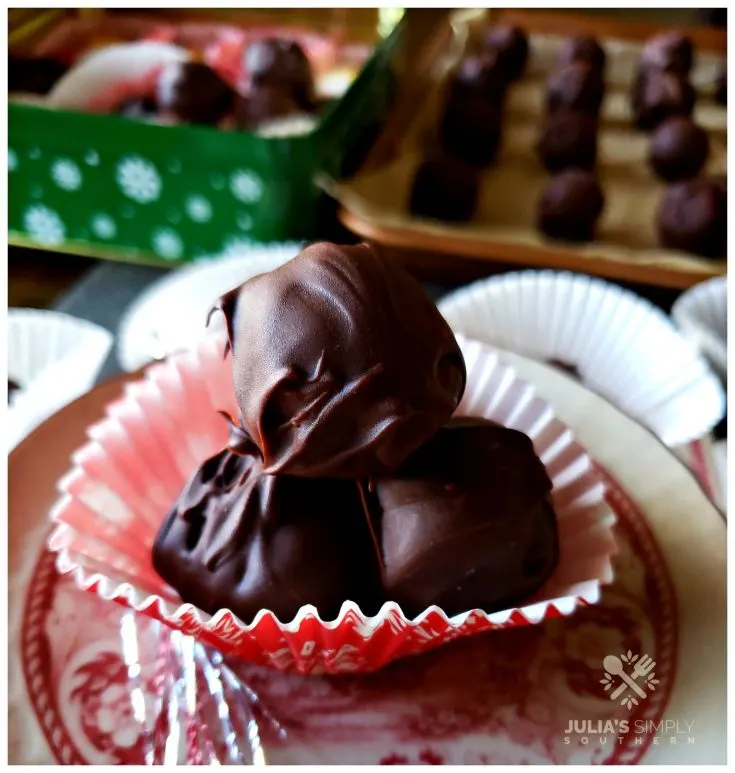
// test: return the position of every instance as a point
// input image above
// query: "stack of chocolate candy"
(446, 184)
(278, 84)
(570, 205)
(345, 477)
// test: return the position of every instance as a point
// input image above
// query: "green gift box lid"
(106, 186)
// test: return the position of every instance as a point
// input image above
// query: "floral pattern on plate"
(507, 697)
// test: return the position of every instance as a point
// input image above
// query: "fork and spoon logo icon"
(632, 681)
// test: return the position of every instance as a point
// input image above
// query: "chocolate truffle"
(585, 50)
(570, 206)
(721, 88)
(342, 364)
(262, 104)
(242, 540)
(193, 93)
(660, 95)
(692, 216)
(479, 75)
(511, 43)
(282, 64)
(471, 130)
(445, 188)
(575, 87)
(466, 522)
(568, 140)
(678, 149)
(668, 52)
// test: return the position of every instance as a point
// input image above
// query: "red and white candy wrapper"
(126, 477)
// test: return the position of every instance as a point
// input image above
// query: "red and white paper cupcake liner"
(124, 480)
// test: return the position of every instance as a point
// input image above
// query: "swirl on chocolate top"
(342, 364)
(242, 540)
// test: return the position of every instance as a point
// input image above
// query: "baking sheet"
(510, 188)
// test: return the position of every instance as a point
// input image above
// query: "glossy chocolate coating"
(281, 64)
(33, 75)
(193, 93)
(511, 43)
(668, 52)
(692, 217)
(466, 522)
(471, 130)
(445, 188)
(660, 95)
(678, 149)
(261, 105)
(480, 75)
(242, 540)
(575, 87)
(569, 139)
(585, 50)
(721, 88)
(569, 206)
(342, 364)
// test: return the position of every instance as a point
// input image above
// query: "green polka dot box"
(109, 187)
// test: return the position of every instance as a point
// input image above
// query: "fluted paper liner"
(124, 480)
(701, 315)
(622, 346)
(38, 339)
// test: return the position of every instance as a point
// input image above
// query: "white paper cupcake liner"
(53, 358)
(622, 346)
(170, 315)
(125, 479)
(38, 339)
(701, 315)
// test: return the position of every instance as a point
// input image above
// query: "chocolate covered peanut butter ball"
(342, 364)
(445, 188)
(193, 93)
(471, 130)
(692, 216)
(679, 149)
(660, 95)
(570, 206)
(466, 521)
(585, 50)
(568, 139)
(576, 87)
(240, 539)
(280, 63)
(511, 43)
(671, 51)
